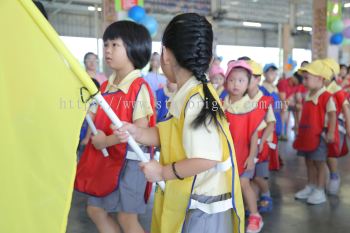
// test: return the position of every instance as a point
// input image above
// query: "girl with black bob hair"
(115, 184)
(197, 158)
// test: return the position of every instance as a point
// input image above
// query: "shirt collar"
(333, 87)
(244, 105)
(177, 100)
(258, 96)
(269, 87)
(314, 98)
(125, 83)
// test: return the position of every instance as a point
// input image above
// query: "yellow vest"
(170, 206)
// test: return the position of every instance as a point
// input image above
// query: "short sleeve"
(202, 142)
(331, 106)
(270, 116)
(142, 105)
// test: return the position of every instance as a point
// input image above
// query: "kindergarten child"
(196, 149)
(317, 128)
(217, 78)
(244, 119)
(269, 89)
(265, 142)
(343, 117)
(115, 183)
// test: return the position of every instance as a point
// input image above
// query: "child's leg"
(311, 172)
(263, 185)
(249, 195)
(129, 223)
(103, 221)
(332, 165)
(334, 181)
(321, 174)
(318, 195)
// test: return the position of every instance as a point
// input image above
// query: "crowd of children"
(217, 132)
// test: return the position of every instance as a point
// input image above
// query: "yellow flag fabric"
(40, 120)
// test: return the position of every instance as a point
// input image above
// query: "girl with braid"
(197, 160)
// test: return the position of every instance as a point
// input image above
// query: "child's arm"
(186, 168)
(332, 118)
(142, 135)
(346, 113)
(267, 132)
(249, 163)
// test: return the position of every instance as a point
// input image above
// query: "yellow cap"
(256, 67)
(318, 68)
(333, 65)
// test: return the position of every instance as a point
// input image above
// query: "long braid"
(190, 37)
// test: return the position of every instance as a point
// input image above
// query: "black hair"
(244, 58)
(299, 77)
(190, 38)
(41, 7)
(136, 39)
(150, 67)
(304, 63)
(89, 54)
(343, 66)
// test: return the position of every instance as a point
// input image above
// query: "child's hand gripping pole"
(115, 120)
(94, 131)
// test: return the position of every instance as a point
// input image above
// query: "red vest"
(264, 103)
(274, 162)
(242, 127)
(98, 175)
(311, 126)
(339, 98)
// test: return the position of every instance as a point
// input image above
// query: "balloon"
(336, 39)
(288, 67)
(294, 64)
(136, 13)
(346, 22)
(337, 26)
(151, 24)
(346, 32)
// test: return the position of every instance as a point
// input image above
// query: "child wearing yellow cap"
(343, 116)
(317, 131)
(265, 135)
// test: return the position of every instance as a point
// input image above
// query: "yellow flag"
(40, 121)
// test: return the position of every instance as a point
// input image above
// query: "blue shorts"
(320, 154)
(248, 174)
(129, 197)
(262, 170)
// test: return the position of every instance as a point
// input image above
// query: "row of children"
(208, 153)
(197, 161)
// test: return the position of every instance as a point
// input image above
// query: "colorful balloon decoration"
(336, 39)
(150, 23)
(138, 14)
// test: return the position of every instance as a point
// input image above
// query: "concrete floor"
(288, 216)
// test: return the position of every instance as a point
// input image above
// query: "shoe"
(318, 196)
(333, 186)
(255, 224)
(304, 193)
(265, 204)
